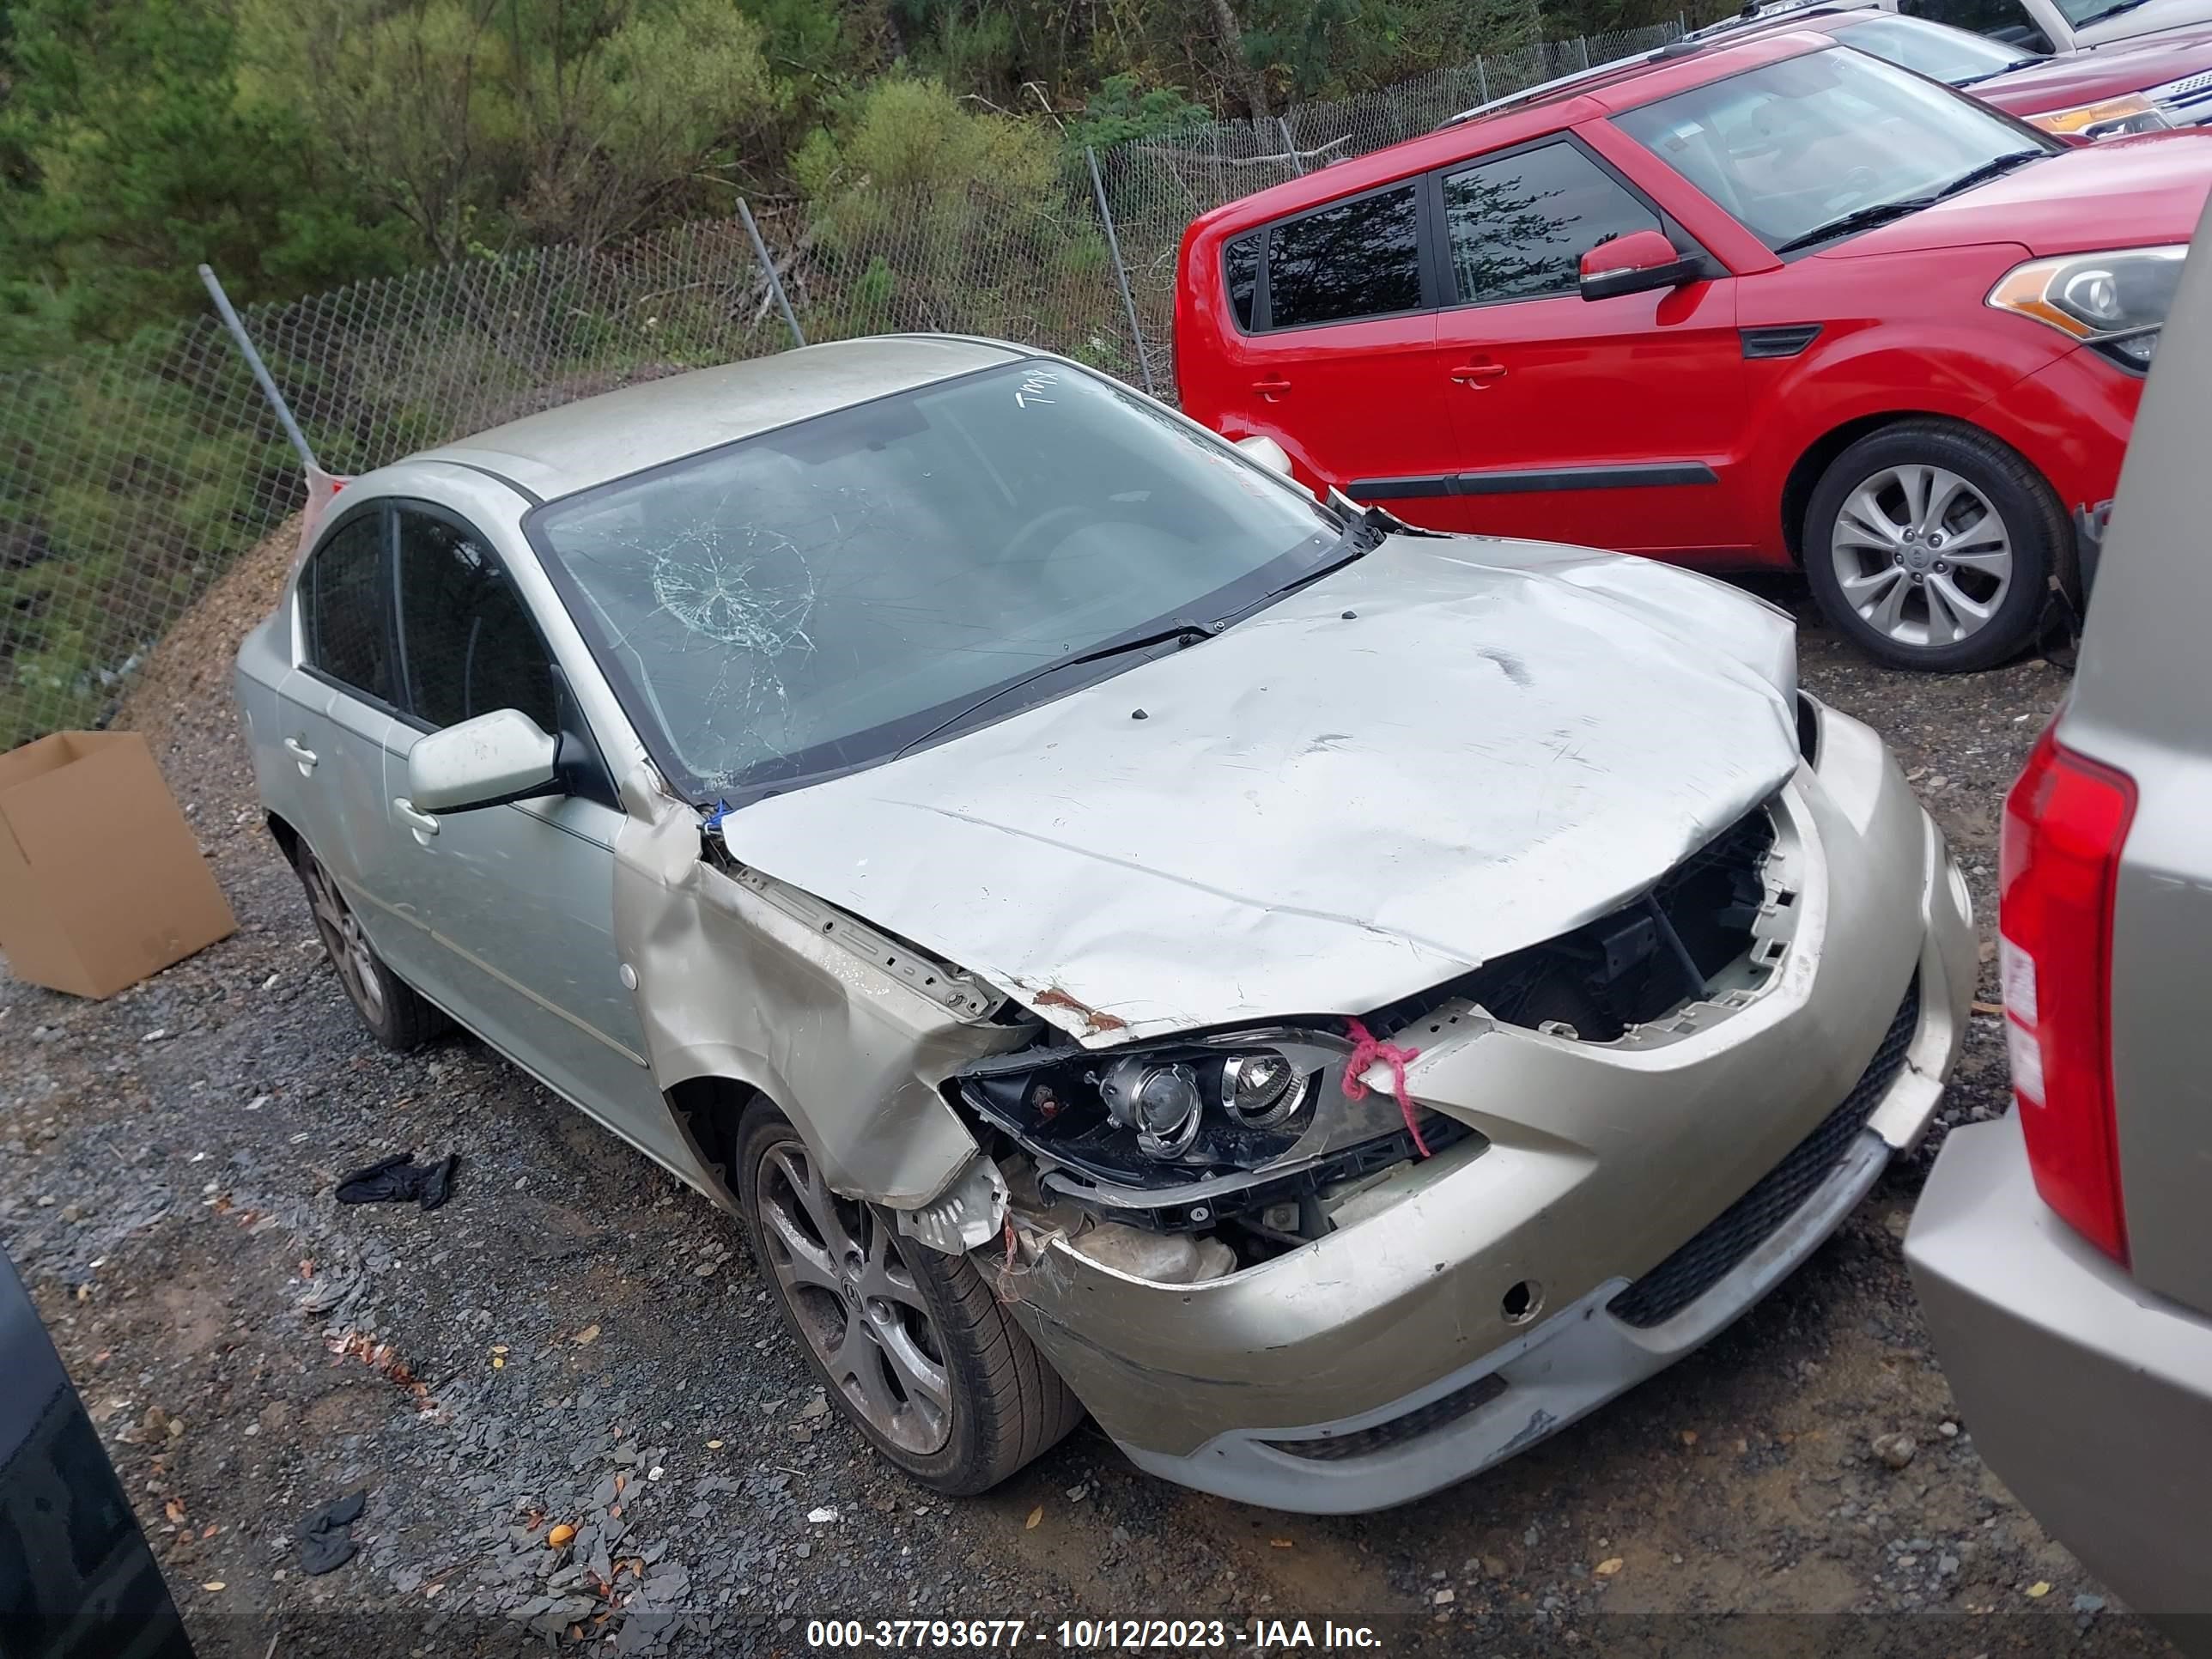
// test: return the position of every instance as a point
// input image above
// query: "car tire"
(908, 1343)
(394, 1014)
(1931, 545)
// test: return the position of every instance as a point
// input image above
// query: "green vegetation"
(501, 204)
(297, 145)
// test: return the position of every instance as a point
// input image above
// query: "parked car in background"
(2061, 27)
(76, 1580)
(2042, 28)
(1759, 303)
(2108, 92)
(2064, 1252)
(1336, 1001)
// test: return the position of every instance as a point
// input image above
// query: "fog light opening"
(1521, 1302)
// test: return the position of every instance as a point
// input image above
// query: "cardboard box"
(101, 880)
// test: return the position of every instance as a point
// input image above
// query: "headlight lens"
(1262, 1090)
(1201, 1113)
(2116, 303)
(2108, 118)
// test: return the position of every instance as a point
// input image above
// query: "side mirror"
(486, 762)
(1634, 264)
(1269, 454)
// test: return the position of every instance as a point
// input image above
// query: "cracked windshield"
(819, 596)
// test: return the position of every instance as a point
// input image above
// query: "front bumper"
(2071, 419)
(1474, 1314)
(2089, 1397)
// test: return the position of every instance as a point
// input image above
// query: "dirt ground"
(576, 1340)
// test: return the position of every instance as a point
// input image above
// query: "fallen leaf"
(714, 1445)
(560, 1537)
(207, 1533)
(1689, 1437)
(217, 1585)
(615, 1513)
(1036, 1519)
(1280, 1544)
(1610, 1566)
(589, 1334)
(499, 1347)
(621, 1481)
(174, 1509)
(1981, 1008)
(2039, 1590)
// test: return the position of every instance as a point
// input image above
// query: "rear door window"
(346, 605)
(471, 645)
(1516, 227)
(1356, 259)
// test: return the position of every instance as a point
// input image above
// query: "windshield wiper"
(1183, 630)
(1877, 213)
(1859, 218)
(2110, 11)
(1994, 167)
(2003, 68)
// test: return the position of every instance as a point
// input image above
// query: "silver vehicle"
(2064, 1252)
(1336, 1002)
(2045, 27)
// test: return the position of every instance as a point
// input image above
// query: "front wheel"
(1931, 545)
(910, 1344)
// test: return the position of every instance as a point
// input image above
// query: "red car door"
(1611, 423)
(1334, 354)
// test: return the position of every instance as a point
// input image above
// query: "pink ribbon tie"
(1366, 1052)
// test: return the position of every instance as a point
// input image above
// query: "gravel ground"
(578, 1341)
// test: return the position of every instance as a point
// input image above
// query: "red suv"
(1754, 303)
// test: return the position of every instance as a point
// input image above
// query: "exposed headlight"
(1190, 1129)
(2116, 303)
(2108, 118)
(1162, 1103)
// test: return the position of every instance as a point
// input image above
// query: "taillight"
(2058, 860)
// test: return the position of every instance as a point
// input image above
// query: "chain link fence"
(132, 477)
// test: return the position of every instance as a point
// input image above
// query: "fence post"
(768, 270)
(1290, 146)
(1121, 272)
(1481, 80)
(1582, 40)
(261, 374)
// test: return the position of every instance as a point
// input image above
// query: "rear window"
(1240, 263)
(1357, 258)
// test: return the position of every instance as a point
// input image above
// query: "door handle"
(1270, 388)
(1478, 374)
(300, 752)
(422, 823)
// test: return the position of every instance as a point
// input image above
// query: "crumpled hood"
(2124, 192)
(1447, 750)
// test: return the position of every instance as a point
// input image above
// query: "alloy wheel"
(1922, 555)
(842, 1270)
(346, 942)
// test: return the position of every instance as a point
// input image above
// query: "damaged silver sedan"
(1334, 1002)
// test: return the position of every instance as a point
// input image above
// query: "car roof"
(1607, 90)
(593, 440)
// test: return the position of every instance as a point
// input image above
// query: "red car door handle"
(1270, 388)
(1478, 373)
